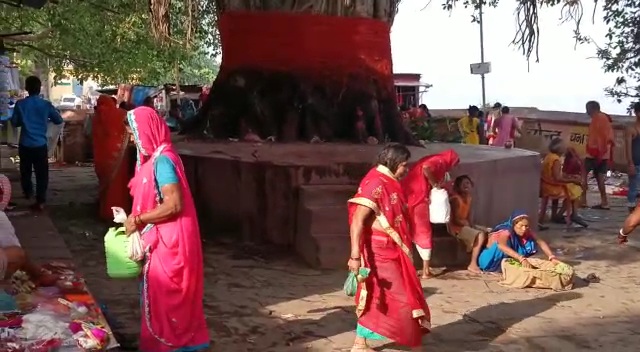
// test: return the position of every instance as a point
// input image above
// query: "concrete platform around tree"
(295, 194)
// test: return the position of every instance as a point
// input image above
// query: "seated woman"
(460, 225)
(554, 184)
(512, 239)
(572, 167)
(12, 256)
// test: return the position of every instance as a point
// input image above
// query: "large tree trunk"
(296, 70)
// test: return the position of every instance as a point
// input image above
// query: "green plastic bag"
(351, 284)
(116, 250)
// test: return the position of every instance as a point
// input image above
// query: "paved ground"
(260, 299)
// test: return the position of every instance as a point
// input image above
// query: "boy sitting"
(460, 225)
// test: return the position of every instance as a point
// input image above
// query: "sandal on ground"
(579, 220)
(600, 207)
(622, 238)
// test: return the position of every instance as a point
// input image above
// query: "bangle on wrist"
(355, 258)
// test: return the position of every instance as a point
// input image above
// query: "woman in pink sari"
(163, 210)
(505, 128)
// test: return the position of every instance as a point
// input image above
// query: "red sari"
(111, 161)
(390, 302)
(417, 190)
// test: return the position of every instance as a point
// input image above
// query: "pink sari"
(172, 281)
(504, 130)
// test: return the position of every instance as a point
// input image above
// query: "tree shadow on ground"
(486, 324)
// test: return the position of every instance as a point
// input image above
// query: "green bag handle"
(116, 231)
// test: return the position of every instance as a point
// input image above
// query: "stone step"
(318, 195)
(330, 251)
(326, 251)
(446, 252)
(314, 220)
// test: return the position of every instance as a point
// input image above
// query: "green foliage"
(111, 41)
(420, 128)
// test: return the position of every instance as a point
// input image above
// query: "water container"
(116, 250)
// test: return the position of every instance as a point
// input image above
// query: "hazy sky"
(441, 45)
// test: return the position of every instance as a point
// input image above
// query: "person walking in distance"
(632, 153)
(33, 114)
(599, 149)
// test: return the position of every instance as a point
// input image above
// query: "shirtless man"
(460, 225)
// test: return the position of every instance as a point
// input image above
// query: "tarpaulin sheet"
(139, 93)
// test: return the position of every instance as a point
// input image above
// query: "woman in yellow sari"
(554, 184)
(468, 126)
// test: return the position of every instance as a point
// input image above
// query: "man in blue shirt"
(33, 114)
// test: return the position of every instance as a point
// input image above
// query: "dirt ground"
(261, 299)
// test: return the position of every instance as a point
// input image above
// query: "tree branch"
(52, 55)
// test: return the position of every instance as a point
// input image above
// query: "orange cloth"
(600, 138)
(111, 162)
(549, 187)
(462, 212)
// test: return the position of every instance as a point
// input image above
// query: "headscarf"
(524, 245)
(150, 132)
(105, 102)
(510, 223)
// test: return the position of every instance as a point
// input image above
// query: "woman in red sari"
(110, 140)
(428, 172)
(390, 303)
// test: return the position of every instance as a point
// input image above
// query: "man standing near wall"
(599, 149)
(33, 114)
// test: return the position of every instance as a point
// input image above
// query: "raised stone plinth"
(296, 194)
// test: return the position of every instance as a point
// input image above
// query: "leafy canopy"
(111, 42)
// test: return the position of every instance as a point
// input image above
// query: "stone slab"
(39, 237)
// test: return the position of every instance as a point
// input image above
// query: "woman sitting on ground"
(554, 184)
(460, 225)
(572, 167)
(512, 239)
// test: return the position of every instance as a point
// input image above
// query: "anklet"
(622, 238)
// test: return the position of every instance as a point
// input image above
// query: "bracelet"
(356, 259)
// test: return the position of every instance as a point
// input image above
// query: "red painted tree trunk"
(296, 76)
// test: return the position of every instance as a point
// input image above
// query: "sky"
(440, 45)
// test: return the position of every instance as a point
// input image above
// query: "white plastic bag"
(136, 249)
(439, 208)
(53, 136)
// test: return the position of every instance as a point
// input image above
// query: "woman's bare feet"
(473, 268)
(622, 238)
(361, 348)
(426, 274)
